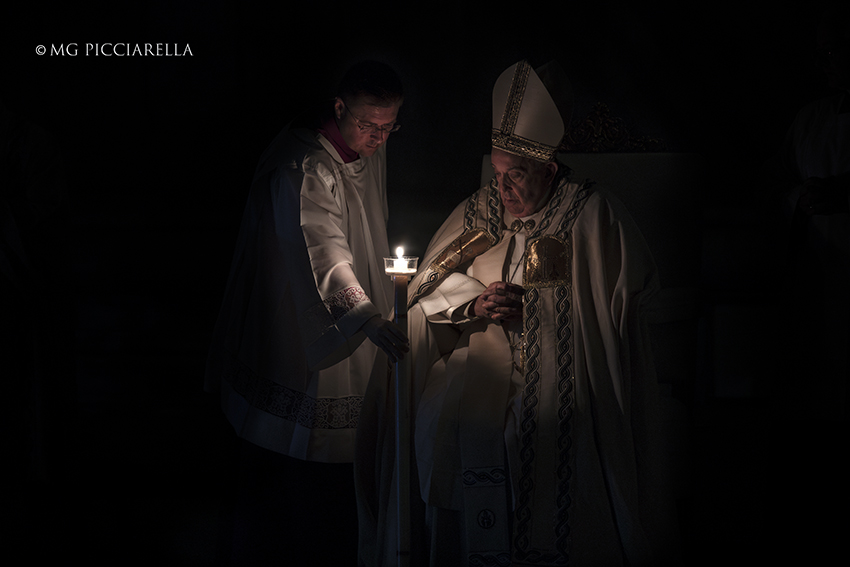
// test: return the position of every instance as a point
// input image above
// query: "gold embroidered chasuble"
(544, 453)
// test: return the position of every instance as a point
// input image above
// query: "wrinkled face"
(364, 125)
(523, 184)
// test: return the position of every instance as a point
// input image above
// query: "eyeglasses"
(374, 128)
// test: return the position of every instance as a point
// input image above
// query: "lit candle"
(400, 265)
(401, 268)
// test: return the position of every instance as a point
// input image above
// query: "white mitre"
(526, 120)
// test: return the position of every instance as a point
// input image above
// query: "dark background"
(156, 154)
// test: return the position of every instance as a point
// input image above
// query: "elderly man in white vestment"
(534, 387)
(306, 288)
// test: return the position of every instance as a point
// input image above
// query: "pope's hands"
(501, 301)
(388, 337)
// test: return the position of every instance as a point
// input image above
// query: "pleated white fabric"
(287, 356)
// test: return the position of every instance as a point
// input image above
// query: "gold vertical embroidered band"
(514, 102)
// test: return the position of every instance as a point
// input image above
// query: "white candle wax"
(400, 265)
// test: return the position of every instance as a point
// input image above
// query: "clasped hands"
(501, 301)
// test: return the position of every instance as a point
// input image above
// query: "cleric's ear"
(551, 171)
(339, 108)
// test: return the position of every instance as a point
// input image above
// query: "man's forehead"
(508, 160)
(373, 102)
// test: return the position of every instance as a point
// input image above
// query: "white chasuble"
(545, 454)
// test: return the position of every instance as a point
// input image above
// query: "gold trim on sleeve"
(463, 249)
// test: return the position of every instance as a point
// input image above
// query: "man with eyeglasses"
(290, 356)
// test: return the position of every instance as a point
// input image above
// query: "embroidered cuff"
(343, 301)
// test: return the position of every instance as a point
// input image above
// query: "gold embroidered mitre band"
(526, 120)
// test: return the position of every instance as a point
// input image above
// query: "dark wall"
(711, 78)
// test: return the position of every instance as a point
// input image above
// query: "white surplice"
(288, 356)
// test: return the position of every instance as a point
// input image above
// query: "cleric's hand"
(388, 337)
(501, 301)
